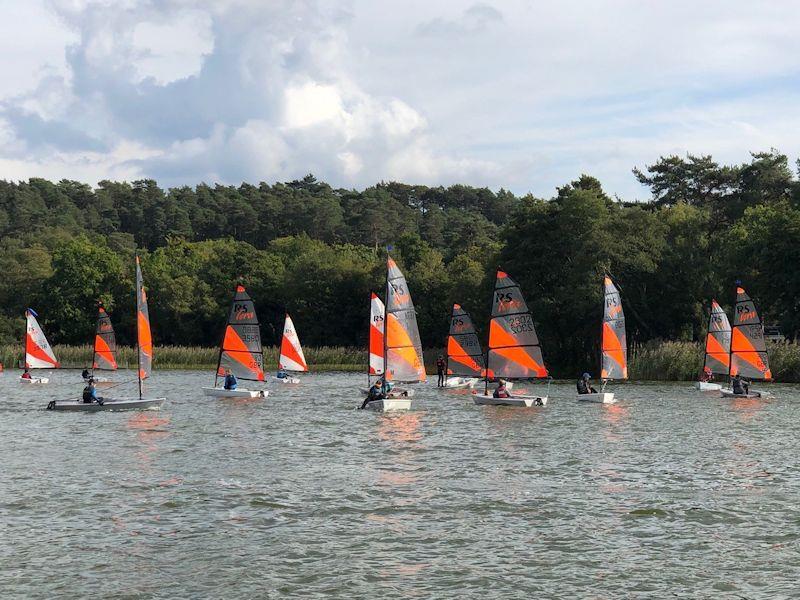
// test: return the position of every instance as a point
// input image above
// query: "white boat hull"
(597, 398)
(34, 380)
(108, 404)
(456, 383)
(518, 401)
(707, 386)
(223, 393)
(729, 393)
(292, 380)
(390, 404)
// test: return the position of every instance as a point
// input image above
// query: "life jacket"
(88, 397)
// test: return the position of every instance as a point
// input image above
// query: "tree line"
(317, 252)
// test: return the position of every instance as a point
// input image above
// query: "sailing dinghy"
(514, 351)
(38, 353)
(292, 358)
(718, 347)
(402, 348)
(144, 352)
(464, 355)
(614, 347)
(240, 351)
(104, 357)
(748, 356)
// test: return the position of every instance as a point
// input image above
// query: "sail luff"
(403, 360)
(464, 353)
(748, 347)
(240, 350)
(718, 341)
(514, 350)
(614, 348)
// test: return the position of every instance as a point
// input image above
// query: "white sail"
(292, 357)
(38, 353)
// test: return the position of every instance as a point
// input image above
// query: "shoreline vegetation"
(653, 361)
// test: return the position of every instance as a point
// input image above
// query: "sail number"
(520, 323)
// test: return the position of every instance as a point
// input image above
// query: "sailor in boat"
(585, 386)
(230, 380)
(375, 393)
(281, 374)
(440, 371)
(501, 391)
(706, 376)
(739, 385)
(90, 394)
(86, 375)
(26, 374)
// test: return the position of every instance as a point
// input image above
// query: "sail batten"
(38, 352)
(376, 326)
(748, 348)
(514, 350)
(402, 354)
(292, 357)
(240, 350)
(614, 340)
(464, 353)
(718, 341)
(105, 343)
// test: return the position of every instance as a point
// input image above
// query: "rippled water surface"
(668, 493)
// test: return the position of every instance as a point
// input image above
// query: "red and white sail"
(376, 320)
(38, 353)
(292, 357)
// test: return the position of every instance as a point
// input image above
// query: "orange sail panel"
(241, 351)
(514, 349)
(143, 334)
(464, 354)
(292, 357)
(614, 341)
(105, 343)
(718, 341)
(403, 356)
(748, 348)
(38, 353)
(376, 320)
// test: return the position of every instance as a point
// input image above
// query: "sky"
(525, 95)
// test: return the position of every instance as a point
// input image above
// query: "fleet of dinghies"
(513, 351)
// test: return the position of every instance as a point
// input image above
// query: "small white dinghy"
(598, 398)
(707, 386)
(728, 393)
(223, 393)
(34, 380)
(292, 358)
(390, 404)
(240, 351)
(457, 383)
(287, 380)
(38, 352)
(614, 346)
(519, 401)
(108, 404)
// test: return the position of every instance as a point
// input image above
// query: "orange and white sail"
(38, 353)
(292, 357)
(748, 348)
(376, 321)
(718, 341)
(514, 348)
(241, 351)
(144, 336)
(614, 340)
(403, 348)
(105, 343)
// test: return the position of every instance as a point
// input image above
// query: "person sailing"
(706, 376)
(26, 374)
(739, 385)
(501, 391)
(281, 374)
(440, 365)
(375, 393)
(90, 394)
(230, 380)
(584, 385)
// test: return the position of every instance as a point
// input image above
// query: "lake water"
(670, 493)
